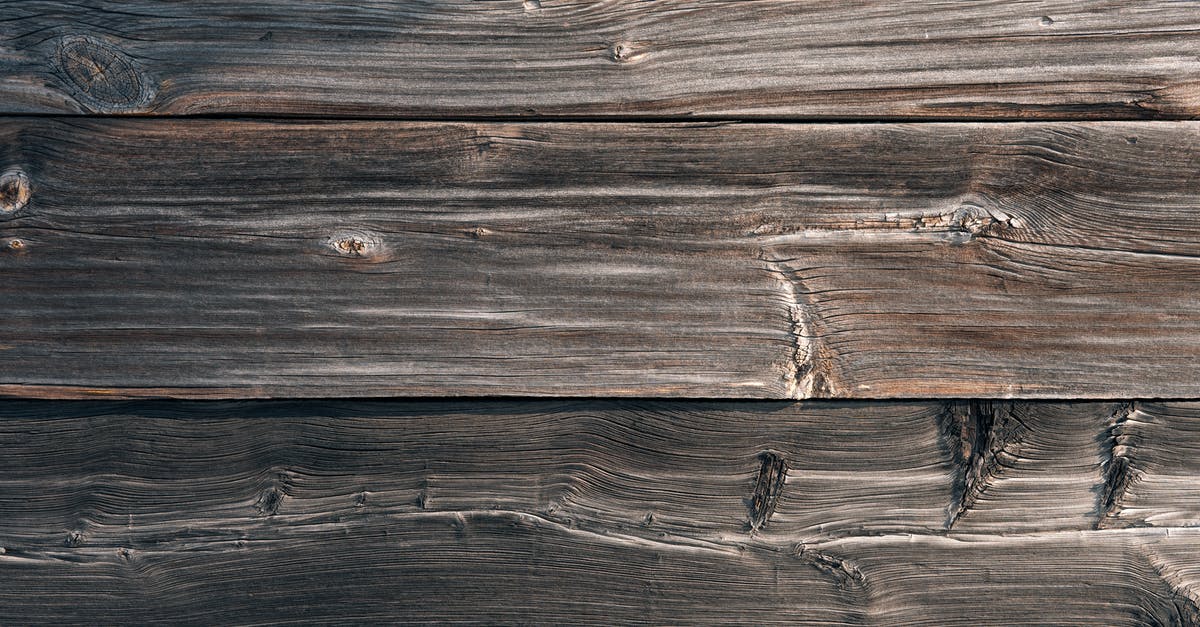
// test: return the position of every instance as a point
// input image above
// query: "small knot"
(1046, 21)
(74, 539)
(16, 244)
(14, 191)
(268, 504)
(101, 77)
(532, 5)
(354, 244)
(478, 233)
(622, 52)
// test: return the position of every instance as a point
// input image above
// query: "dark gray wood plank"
(779, 58)
(498, 567)
(573, 511)
(204, 258)
(708, 470)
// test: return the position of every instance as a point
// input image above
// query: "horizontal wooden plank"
(204, 258)
(503, 567)
(709, 470)
(587, 511)
(779, 58)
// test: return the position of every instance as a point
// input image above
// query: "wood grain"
(776, 58)
(214, 259)
(584, 511)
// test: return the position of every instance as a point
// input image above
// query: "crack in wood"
(806, 378)
(772, 475)
(983, 440)
(1181, 605)
(1118, 469)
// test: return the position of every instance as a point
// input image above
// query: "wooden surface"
(898, 513)
(910, 214)
(204, 258)
(535, 58)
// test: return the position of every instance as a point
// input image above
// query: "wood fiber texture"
(589, 511)
(202, 258)
(537, 58)
(761, 254)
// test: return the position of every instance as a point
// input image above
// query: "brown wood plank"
(778, 58)
(580, 511)
(204, 258)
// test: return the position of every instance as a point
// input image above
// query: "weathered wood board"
(536, 58)
(597, 512)
(202, 258)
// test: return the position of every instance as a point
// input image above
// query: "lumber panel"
(504, 567)
(81, 472)
(202, 258)
(583, 511)
(778, 58)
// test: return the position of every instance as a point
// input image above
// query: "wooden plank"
(203, 258)
(570, 511)
(778, 58)
(705, 469)
(499, 567)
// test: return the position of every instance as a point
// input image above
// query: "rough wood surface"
(591, 512)
(203, 258)
(779, 58)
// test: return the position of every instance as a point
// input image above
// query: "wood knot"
(16, 245)
(623, 52)
(355, 244)
(268, 504)
(532, 5)
(101, 77)
(14, 191)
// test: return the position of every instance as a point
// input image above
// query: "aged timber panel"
(203, 258)
(779, 58)
(587, 511)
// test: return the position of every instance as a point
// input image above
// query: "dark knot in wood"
(14, 191)
(101, 77)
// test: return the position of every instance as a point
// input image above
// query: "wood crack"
(983, 439)
(1180, 606)
(806, 376)
(1117, 466)
(772, 476)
